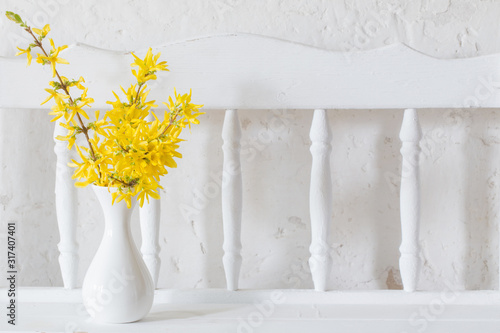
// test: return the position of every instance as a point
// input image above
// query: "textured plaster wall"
(460, 173)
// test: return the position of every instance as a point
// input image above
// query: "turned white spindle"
(409, 262)
(66, 211)
(149, 215)
(320, 203)
(231, 198)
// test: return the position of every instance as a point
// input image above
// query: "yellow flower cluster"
(129, 148)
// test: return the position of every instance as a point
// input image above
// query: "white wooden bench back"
(252, 72)
(240, 71)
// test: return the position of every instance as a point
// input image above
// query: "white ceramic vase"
(118, 287)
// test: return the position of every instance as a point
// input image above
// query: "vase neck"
(116, 216)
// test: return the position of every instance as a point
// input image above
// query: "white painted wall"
(460, 174)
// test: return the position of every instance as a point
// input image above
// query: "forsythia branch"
(126, 150)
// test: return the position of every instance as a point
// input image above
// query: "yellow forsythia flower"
(52, 58)
(42, 33)
(28, 54)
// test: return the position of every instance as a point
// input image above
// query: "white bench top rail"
(242, 71)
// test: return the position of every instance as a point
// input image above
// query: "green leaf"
(18, 19)
(11, 16)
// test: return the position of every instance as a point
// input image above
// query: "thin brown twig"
(138, 90)
(84, 128)
(131, 184)
(169, 124)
